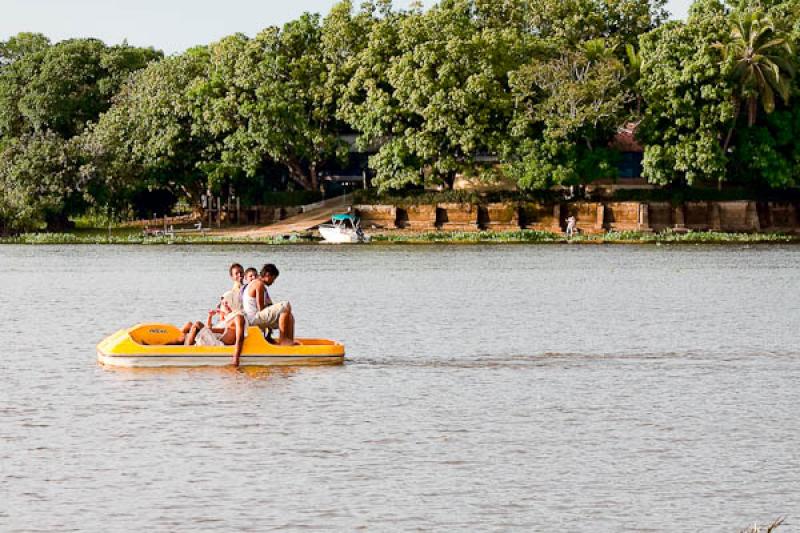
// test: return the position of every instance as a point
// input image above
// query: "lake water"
(527, 388)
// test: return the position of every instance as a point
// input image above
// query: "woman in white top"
(229, 331)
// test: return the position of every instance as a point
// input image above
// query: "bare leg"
(193, 333)
(239, 342)
(286, 324)
(184, 331)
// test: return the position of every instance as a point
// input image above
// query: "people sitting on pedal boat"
(234, 296)
(249, 275)
(229, 331)
(261, 311)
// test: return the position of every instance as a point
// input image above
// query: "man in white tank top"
(261, 311)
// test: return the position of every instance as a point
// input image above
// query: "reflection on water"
(486, 388)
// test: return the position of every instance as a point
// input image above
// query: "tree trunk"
(752, 111)
(312, 173)
(58, 222)
(737, 108)
(298, 175)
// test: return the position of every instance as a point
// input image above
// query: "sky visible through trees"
(171, 26)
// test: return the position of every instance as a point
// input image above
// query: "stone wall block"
(589, 216)
(624, 216)
(457, 217)
(500, 216)
(737, 216)
(661, 215)
(420, 217)
(377, 216)
(541, 217)
(778, 216)
(679, 216)
(699, 215)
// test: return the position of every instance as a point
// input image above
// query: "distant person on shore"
(261, 311)
(234, 296)
(571, 230)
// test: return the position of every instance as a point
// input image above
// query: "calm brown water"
(527, 388)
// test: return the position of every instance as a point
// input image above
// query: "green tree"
(761, 64)
(148, 138)
(571, 22)
(768, 154)
(268, 100)
(62, 87)
(687, 97)
(432, 91)
(48, 94)
(568, 109)
(40, 183)
(20, 45)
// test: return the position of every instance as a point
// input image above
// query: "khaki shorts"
(268, 317)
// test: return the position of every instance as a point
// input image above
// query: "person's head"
(250, 274)
(236, 271)
(269, 273)
(223, 305)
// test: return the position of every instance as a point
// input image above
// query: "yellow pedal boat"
(148, 346)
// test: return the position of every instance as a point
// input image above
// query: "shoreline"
(415, 238)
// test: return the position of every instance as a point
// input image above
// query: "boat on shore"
(343, 229)
(152, 346)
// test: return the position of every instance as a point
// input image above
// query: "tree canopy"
(532, 90)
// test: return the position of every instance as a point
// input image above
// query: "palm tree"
(634, 74)
(762, 66)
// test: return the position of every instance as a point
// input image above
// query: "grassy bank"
(529, 236)
(139, 239)
(120, 237)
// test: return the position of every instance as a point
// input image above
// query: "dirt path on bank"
(301, 223)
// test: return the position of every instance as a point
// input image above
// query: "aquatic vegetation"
(140, 239)
(769, 528)
(522, 236)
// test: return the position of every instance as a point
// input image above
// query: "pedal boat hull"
(148, 346)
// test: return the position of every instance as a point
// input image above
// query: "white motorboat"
(343, 229)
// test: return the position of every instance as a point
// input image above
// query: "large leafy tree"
(48, 94)
(767, 154)
(571, 22)
(269, 102)
(148, 139)
(60, 88)
(432, 91)
(40, 182)
(568, 109)
(687, 95)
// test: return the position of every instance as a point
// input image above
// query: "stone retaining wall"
(417, 217)
(377, 216)
(591, 217)
(661, 215)
(499, 216)
(457, 217)
(774, 216)
(541, 217)
(626, 216)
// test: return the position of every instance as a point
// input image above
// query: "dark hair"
(235, 265)
(270, 269)
(251, 269)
